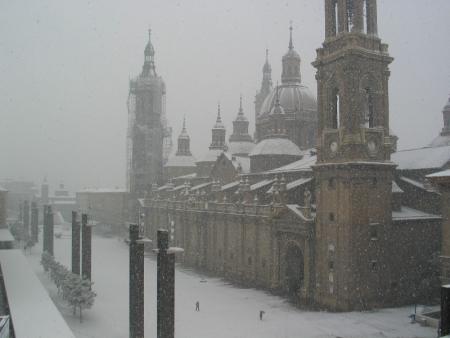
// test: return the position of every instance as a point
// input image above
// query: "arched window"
(335, 109)
(369, 114)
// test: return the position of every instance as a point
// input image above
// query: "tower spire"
(291, 45)
(241, 110)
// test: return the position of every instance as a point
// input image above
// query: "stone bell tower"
(353, 172)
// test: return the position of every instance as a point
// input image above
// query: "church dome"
(294, 98)
(276, 146)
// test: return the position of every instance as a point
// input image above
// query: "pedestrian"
(197, 306)
(261, 314)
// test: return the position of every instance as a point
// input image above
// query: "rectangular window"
(373, 229)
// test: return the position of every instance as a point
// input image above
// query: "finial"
(267, 55)
(277, 102)
(241, 111)
(184, 122)
(218, 111)
(149, 34)
(291, 46)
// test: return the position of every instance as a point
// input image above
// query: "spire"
(291, 46)
(149, 57)
(219, 124)
(241, 111)
(277, 108)
(184, 141)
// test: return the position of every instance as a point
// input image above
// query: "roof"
(2, 189)
(293, 98)
(276, 146)
(180, 161)
(102, 190)
(230, 185)
(304, 164)
(440, 141)
(241, 162)
(415, 183)
(407, 213)
(445, 173)
(422, 158)
(294, 184)
(5, 236)
(396, 188)
(297, 210)
(240, 147)
(260, 184)
(33, 312)
(200, 186)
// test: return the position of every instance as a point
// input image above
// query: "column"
(75, 244)
(86, 236)
(342, 16)
(34, 222)
(165, 287)
(372, 25)
(50, 230)
(136, 292)
(445, 310)
(26, 220)
(330, 18)
(358, 16)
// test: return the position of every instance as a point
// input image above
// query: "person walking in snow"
(197, 306)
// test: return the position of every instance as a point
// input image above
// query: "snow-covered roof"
(407, 213)
(422, 158)
(415, 183)
(276, 146)
(200, 186)
(296, 209)
(301, 165)
(294, 184)
(241, 148)
(396, 188)
(260, 184)
(241, 162)
(445, 173)
(5, 236)
(180, 161)
(33, 312)
(2, 189)
(188, 176)
(440, 141)
(230, 185)
(179, 187)
(211, 155)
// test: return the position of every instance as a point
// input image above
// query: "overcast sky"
(65, 65)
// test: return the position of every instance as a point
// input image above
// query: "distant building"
(182, 162)
(240, 141)
(217, 146)
(107, 208)
(149, 137)
(3, 206)
(444, 138)
(298, 103)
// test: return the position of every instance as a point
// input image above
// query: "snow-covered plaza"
(226, 311)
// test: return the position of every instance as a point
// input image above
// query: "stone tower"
(241, 143)
(146, 130)
(266, 86)
(444, 138)
(353, 171)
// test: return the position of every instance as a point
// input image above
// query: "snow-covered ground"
(225, 311)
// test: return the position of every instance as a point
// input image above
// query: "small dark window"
(374, 265)
(373, 232)
(374, 182)
(331, 183)
(331, 217)
(331, 265)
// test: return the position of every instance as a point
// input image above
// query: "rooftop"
(422, 158)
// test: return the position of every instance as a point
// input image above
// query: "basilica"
(317, 204)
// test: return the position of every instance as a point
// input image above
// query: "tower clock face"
(333, 148)
(372, 147)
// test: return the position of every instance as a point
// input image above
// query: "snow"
(445, 173)
(260, 184)
(230, 185)
(200, 186)
(301, 165)
(293, 184)
(5, 235)
(226, 311)
(396, 188)
(276, 146)
(33, 313)
(417, 184)
(422, 158)
(407, 213)
(2, 189)
(211, 155)
(103, 190)
(241, 147)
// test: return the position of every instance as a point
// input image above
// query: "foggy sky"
(65, 65)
